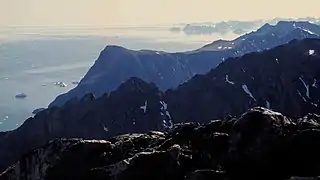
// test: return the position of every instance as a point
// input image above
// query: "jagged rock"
(261, 144)
(310, 121)
(60, 159)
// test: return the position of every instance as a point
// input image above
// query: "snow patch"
(314, 104)
(246, 90)
(167, 120)
(228, 81)
(304, 99)
(308, 31)
(144, 107)
(268, 104)
(311, 52)
(306, 86)
(220, 47)
(315, 83)
(164, 106)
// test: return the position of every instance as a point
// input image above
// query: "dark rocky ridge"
(285, 79)
(167, 70)
(138, 106)
(261, 144)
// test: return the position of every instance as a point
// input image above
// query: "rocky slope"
(167, 70)
(284, 79)
(260, 144)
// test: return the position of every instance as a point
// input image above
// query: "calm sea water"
(33, 59)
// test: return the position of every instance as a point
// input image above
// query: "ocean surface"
(33, 59)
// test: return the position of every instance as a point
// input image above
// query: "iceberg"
(61, 84)
(21, 96)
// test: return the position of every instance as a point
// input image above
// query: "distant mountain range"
(285, 78)
(267, 36)
(167, 70)
(235, 27)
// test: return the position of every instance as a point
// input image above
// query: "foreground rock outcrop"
(261, 144)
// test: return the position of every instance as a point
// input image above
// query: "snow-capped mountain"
(285, 79)
(167, 70)
(235, 27)
(266, 37)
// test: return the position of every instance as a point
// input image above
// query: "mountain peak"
(112, 48)
(136, 84)
(266, 26)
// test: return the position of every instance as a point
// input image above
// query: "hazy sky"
(142, 12)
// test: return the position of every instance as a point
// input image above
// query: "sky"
(146, 12)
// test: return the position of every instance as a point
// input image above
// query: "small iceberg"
(61, 84)
(75, 82)
(36, 111)
(21, 96)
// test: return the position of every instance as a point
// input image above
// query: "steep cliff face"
(167, 70)
(283, 79)
(260, 144)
